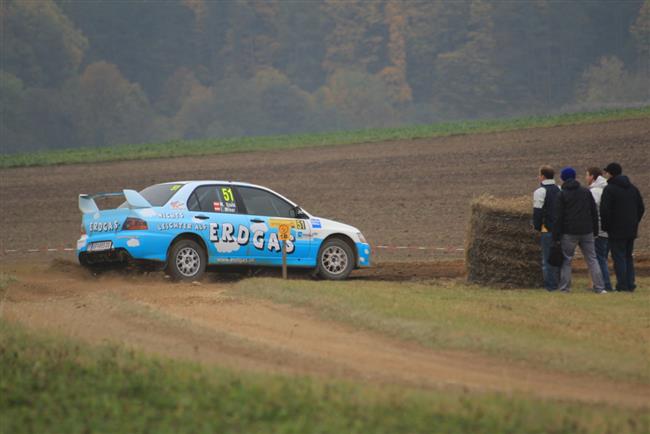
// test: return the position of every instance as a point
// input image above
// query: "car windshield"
(159, 194)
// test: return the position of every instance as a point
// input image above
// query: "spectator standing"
(597, 184)
(576, 224)
(621, 210)
(543, 217)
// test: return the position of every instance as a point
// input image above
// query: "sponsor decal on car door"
(267, 212)
(228, 233)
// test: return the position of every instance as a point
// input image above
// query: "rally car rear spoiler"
(134, 199)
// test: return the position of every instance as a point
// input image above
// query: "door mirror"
(297, 212)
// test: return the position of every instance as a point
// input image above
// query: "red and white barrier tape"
(379, 247)
(439, 249)
(44, 249)
(447, 250)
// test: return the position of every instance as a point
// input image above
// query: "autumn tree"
(640, 30)
(359, 99)
(607, 82)
(109, 109)
(147, 40)
(467, 79)
(354, 36)
(40, 45)
(394, 75)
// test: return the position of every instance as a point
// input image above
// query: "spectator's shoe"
(604, 291)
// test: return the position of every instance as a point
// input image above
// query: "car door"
(227, 234)
(266, 211)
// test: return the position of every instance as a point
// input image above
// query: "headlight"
(362, 238)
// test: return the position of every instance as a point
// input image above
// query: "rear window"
(159, 194)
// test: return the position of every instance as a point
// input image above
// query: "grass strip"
(182, 148)
(580, 332)
(51, 385)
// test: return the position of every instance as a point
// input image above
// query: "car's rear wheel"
(335, 260)
(187, 261)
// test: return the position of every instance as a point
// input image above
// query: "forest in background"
(97, 73)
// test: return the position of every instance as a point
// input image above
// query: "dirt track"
(209, 323)
(413, 193)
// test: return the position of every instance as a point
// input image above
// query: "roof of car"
(214, 181)
(242, 184)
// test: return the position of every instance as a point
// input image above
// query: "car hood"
(328, 224)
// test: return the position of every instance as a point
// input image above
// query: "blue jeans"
(551, 273)
(602, 251)
(623, 264)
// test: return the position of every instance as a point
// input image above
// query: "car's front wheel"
(335, 260)
(187, 261)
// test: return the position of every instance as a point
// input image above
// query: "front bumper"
(363, 255)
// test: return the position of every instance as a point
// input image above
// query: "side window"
(193, 202)
(213, 198)
(261, 202)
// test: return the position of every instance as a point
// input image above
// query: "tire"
(186, 261)
(335, 260)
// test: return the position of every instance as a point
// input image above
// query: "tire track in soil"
(203, 323)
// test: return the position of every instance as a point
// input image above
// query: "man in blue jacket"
(621, 210)
(543, 218)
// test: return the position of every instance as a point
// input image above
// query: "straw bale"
(501, 248)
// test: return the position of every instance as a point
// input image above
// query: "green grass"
(605, 335)
(5, 280)
(50, 385)
(180, 148)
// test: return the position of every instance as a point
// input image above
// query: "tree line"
(81, 73)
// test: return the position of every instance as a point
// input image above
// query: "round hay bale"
(502, 249)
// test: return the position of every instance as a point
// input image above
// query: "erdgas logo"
(225, 238)
(104, 226)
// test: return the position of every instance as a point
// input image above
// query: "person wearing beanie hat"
(577, 225)
(568, 173)
(621, 210)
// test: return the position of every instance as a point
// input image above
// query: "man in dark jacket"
(576, 224)
(543, 218)
(621, 210)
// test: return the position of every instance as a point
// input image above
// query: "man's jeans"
(551, 273)
(602, 251)
(623, 263)
(588, 248)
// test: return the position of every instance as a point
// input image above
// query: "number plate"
(100, 246)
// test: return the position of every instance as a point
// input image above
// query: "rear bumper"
(116, 258)
(138, 245)
(113, 256)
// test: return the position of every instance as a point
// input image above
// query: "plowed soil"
(408, 193)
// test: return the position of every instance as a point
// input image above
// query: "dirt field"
(412, 193)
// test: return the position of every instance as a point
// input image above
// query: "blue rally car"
(187, 226)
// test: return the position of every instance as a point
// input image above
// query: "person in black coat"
(576, 224)
(621, 210)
